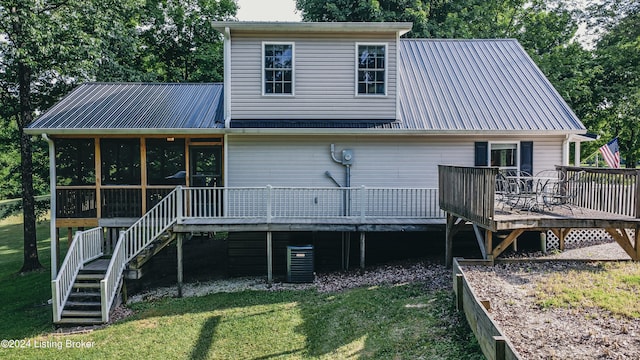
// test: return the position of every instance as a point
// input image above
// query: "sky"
(267, 10)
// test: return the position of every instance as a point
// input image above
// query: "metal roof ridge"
(147, 83)
(458, 39)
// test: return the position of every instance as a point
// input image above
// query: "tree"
(180, 43)
(617, 84)
(45, 46)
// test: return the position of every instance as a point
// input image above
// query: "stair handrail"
(133, 240)
(86, 246)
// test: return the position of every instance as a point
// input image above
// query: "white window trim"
(293, 67)
(491, 143)
(386, 68)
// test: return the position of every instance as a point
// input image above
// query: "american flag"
(611, 153)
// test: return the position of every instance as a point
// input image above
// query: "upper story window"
(277, 64)
(371, 69)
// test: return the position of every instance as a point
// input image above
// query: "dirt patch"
(553, 333)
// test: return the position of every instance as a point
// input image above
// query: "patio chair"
(561, 192)
(515, 192)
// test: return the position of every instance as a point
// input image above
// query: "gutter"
(52, 223)
(79, 132)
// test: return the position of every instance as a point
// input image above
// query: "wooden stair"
(83, 307)
(150, 251)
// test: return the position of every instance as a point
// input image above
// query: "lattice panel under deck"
(581, 237)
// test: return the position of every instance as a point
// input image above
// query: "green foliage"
(617, 84)
(24, 309)
(614, 288)
(178, 41)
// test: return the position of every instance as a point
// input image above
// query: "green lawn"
(388, 322)
(610, 286)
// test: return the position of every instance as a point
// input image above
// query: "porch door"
(205, 164)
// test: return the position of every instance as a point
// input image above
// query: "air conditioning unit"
(300, 264)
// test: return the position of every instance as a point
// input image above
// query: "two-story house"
(319, 128)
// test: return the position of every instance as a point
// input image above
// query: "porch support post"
(561, 234)
(449, 233)
(269, 257)
(179, 255)
(53, 230)
(636, 241)
(576, 157)
(488, 243)
(362, 249)
(347, 244)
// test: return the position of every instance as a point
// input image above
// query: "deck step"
(90, 276)
(80, 321)
(83, 303)
(86, 294)
(82, 313)
(93, 285)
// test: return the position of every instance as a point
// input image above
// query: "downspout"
(227, 77)
(52, 225)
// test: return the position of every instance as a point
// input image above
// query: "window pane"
(75, 162)
(165, 162)
(120, 161)
(278, 71)
(371, 69)
(504, 155)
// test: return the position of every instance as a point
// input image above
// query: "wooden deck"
(560, 217)
(601, 198)
(346, 224)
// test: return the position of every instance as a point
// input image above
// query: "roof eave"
(574, 134)
(123, 131)
(326, 27)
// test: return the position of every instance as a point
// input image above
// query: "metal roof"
(445, 86)
(488, 85)
(105, 107)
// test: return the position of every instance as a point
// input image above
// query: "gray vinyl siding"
(324, 84)
(391, 161)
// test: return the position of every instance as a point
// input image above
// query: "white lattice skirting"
(578, 237)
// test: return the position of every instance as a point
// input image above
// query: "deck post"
(636, 241)
(362, 249)
(180, 269)
(488, 241)
(448, 247)
(269, 257)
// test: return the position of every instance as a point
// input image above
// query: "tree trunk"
(31, 261)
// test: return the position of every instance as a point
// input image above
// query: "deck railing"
(468, 192)
(121, 202)
(76, 202)
(614, 191)
(86, 246)
(290, 202)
